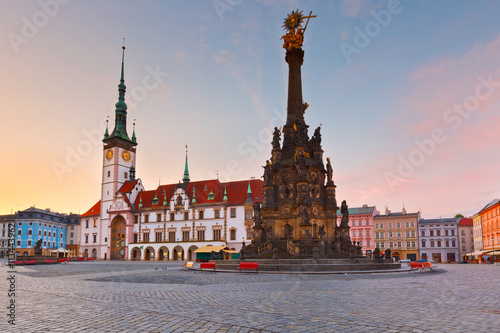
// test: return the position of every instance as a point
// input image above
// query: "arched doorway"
(395, 255)
(86, 253)
(136, 254)
(147, 255)
(94, 254)
(163, 253)
(118, 238)
(178, 253)
(190, 254)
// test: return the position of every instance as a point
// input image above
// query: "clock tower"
(118, 154)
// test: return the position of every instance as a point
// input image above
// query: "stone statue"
(276, 138)
(321, 231)
(388, 254)
(242, 253)
(304, 213)
(288, 231)
(269, 233)
(345, 214)
(316, 139)
(329, 171)
(38, 247)
(376, 253)
(301, 165)
(257, 215)
(268, 177)
(295, 33)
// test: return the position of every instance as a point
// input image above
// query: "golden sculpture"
(295, 33)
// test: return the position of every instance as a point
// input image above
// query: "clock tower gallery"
(118, 167)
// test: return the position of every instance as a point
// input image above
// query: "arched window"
(233, 234)
(94, 253)
(179, 200)
(86, 253)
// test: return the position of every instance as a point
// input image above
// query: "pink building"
(361, 223)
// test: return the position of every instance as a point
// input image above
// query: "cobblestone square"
(109, 296)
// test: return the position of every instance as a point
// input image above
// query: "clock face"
(109, 154)
(126, 155)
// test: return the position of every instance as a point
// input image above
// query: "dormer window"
(179, 200)
(211, 195)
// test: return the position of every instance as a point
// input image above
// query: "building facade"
(465, 237)
(33, 224)
(169, 222)
(361, 226)
(73, 234)
(478, 234)
(6, 222)
(439, 239)
(490, 221)
(398, 232)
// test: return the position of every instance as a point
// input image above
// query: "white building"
(439, 239)
(5, 221)
(169, 222)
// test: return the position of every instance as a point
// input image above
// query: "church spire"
(186, 170)
(120, 130)
(249, 194)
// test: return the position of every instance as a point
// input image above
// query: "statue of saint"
(345, 214)
(257, 215)
(268, 177)
(294, 38)
(276, 138)
(329, 171)
(316, 139)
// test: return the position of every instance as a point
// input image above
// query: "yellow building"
(398, 232)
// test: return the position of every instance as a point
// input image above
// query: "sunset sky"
(407, 92)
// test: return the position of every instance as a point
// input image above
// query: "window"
(109, 173)
(376, 235)
(248, 214)
(72, 227)
(233, 212)
(360, 233)
(367, 222)
(158, 217)
(399, 234)
(217, 213)
(186, 215)
(135, 237)
(146, 218)
(391, 245)
(463, 240)
(172, 216)
(95, 223)
(232, 234)
(382, 235)
(29, 243)
(94, 238)
(453, 243)
(125, 175)
(30, 232)
(398, 225)
(45, 232)
(171, 236)
(249, 234)
(185, 235)
(407, 234)
(86, 223)
(382, 245)
(413, 244)
(136, 219)
(438, 243)
(359, 223)
(86, 239)
(407, 244)
(453, 232)
(413, 233)
(390, 235)
(216, 234)
(376, 226)
(390, 225)
(447, 243)
(446, 232)
(463, 232)
(407, 224)
(50, 233)
(354, 234)
(431, 232)
(423, 243)
(463, 248)
(377, 245)
(200, 215)
(438, 232)
(201, 235)
(367, 243)
(368, 232)
(145, 236)
(71, 242)
(399, 245)
(158, 236)
(413, 224)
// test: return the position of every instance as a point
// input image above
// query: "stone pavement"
(161, 297)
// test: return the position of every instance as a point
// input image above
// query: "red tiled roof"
(95, 210)
(237, 191)
(465, 221)
(127, 186)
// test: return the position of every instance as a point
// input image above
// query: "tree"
(459, 215)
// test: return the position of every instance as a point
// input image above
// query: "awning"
(208, 249)
(477, 253)
(61, 250)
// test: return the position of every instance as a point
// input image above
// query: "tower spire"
(120, 129)
(186, 170)
(134, 139)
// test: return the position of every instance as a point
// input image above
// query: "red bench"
(50, 261)
(17, 262)
(62, 260)
(207, 265)
(249, 265)
(30, 262)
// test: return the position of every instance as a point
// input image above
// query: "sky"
(407, 94)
